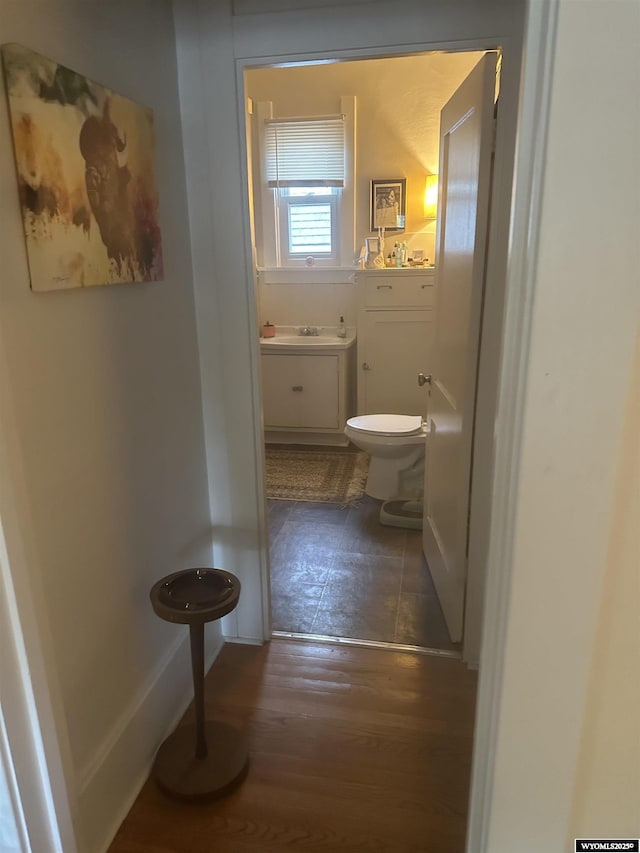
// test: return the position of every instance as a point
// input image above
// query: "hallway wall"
(607, 787)
(103, 420)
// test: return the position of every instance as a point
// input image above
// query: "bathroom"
(392, 115)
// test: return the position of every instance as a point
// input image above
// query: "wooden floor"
(352, 749)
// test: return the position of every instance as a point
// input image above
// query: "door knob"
(424, 380)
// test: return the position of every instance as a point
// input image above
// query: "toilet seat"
(389, 425)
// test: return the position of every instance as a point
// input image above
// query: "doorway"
(335, 571)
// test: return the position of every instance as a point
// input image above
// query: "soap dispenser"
(342, 329)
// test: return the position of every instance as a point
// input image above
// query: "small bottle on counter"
(342, 329)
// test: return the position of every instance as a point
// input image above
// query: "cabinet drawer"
(393, 291)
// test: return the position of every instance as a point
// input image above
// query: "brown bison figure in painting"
(121, 223)
(85, 164)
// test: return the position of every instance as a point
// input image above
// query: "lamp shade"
(431, 197)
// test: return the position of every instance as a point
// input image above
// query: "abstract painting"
(85, 159)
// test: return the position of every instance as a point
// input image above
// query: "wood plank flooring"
(352, 749)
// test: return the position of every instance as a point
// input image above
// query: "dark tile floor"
(338, 572)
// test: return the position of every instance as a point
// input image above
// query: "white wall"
(607, 790)
(556, 732)
(104, 427)
(398, 103)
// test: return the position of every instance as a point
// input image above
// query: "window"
(308, 223)
(306, 188)
(305, 170)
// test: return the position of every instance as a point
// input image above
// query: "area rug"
(334, 476)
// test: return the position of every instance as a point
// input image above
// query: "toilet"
(396, 445)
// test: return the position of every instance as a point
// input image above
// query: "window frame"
(269, 238)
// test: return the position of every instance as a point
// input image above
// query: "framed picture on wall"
(388, 201)
(85, 163)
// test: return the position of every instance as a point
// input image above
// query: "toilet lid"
(387, 424)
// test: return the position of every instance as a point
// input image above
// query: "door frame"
(529, 169)
(33, 737)
(494, 504)
(489, 364)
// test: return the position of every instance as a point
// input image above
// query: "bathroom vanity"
(395, 339)
(306, 386)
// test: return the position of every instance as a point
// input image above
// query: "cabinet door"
(395, 347)
(300, 391)
(280, 402)
(319, 398)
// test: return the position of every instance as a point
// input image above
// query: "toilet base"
(402, 513)
(389, 478)
(382, 479)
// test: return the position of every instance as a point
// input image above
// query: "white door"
(466, 138)
(400, 346)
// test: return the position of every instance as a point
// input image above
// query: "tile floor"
(338, 572)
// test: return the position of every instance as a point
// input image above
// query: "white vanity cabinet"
(301, 391)
(305, 396)
(395, 338)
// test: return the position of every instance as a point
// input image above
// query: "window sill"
(306, 275)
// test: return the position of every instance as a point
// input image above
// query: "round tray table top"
(195, 595)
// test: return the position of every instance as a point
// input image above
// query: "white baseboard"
(244, 641)
(327, 439)
(110, 783)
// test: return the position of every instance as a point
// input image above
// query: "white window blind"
(305, 152)
(310, 228)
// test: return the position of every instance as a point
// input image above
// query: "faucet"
(308, 331)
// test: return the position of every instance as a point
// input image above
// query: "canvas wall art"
(85, 160)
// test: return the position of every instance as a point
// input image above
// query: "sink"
(304, 341)
(287, 340)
